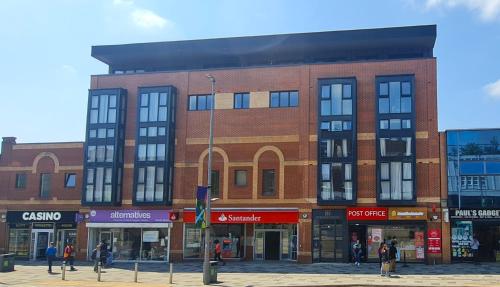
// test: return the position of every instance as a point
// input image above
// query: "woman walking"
(384, 255)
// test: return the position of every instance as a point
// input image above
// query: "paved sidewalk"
(255, 274)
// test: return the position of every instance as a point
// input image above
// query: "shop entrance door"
(331, 241)
(272, 245)
(489, 240)
(358, 232)
(40, 239)
(327, 241)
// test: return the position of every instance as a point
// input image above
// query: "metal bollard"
(99, 272)
(171, 273)
(63, 273)
(136, 269)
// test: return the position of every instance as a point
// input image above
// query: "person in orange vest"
(218, 252)
(69, 255)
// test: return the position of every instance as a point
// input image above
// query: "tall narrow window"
(395, 139)
(103, 148)
(268, 182)
(154, 148)
(215, 184)
(45, 185)
(21, 180)
(337, 133)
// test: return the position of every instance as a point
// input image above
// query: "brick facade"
(283, 139)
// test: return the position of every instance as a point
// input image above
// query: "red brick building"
(321, 139)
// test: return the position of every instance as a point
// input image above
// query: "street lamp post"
(206, 260)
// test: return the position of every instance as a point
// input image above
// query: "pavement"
(257, 274)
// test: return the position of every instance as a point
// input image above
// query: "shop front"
(406, 226)
(30, 232)
(258, 234)
(131, 235)
(484, 224)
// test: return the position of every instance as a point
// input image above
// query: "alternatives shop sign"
(475, 214)
(384, 214)
(247, 216)
(129, 216)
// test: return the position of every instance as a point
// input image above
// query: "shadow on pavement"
(296, 268)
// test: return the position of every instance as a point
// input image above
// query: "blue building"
(473, 171)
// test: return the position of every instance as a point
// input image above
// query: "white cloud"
(488, 10)
(148, 19)
(493, 90)
(123, 2)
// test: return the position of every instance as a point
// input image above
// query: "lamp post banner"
(201, 203)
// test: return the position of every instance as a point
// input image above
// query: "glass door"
(41, 239)
(258, 246)
(327, 243)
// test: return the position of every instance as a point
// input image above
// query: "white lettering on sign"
(367, 213)
(233, 218)
(42, 216)
(131, 215)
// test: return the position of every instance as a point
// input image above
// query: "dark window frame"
(48, 183)
(67, 176)
(215, 182)
(236, 177)
(395, 133)
(348, 134)
(197, 97)
(244, 100)
(118, 143)
(288, 97)
(266, 186)
(168, 140)
(21, 180)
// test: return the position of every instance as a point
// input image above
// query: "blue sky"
(45, 52)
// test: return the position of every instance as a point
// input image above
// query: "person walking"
(96, 256)
(384, 255)
(69, 256)
(104, 253)
(356, 250)
(474, 246)
(218, 252)
(51, 255)
(379, 252)
(393, 251)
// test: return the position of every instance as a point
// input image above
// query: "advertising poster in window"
(419, 244)
(377, 235)
(461, 237)
(151, 236)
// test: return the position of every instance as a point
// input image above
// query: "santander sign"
(238, 218)
(247, 216)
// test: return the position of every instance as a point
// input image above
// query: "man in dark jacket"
(392, 256)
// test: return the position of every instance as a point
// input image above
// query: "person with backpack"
(51, 255)
(69, 256)
(218, 252)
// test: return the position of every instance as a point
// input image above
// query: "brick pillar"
(176, 239)
(81, 241)
(304, 250)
